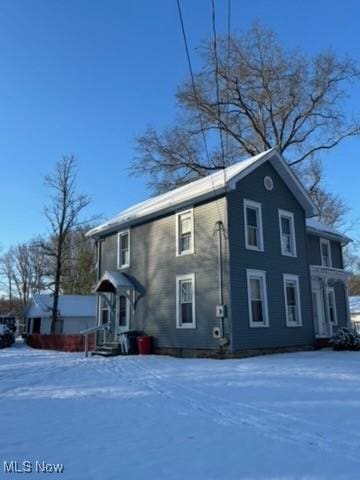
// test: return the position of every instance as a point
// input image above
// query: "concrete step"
(106, 353)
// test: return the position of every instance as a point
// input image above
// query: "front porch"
(327, 314)
(116, 297)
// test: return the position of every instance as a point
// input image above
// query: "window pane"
(124, 240)
(292, 314)
(104, 316)
(185, 223)
(286, 243)
(186, 313)
(185, 291)
(252, 236)
(124, 257)
(251, 216)
(185, 242)
(285, 225)
(122, 311)
(255, 288)
(257, 311)
(290, 293)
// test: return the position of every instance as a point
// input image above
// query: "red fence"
(65, 343)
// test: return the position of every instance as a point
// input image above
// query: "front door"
(122, 314)
(322, 327)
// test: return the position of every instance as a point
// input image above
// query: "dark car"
(7, 337)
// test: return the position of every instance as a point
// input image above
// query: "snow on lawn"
(289, 416)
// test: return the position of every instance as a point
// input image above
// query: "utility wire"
(196, 99)
(192, 80)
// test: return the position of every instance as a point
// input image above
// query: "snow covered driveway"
(289, 416)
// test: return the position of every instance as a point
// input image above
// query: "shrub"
(346, 339)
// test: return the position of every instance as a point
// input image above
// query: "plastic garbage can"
(144, 343)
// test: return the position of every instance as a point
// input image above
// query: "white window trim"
(331, 290)
(257, 274)
(120, 234)
(296, 279)
(177, 232)
(290, 215)
(327, 242)
(179, 278)
(257, 206)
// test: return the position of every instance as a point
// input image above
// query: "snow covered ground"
(289, 416)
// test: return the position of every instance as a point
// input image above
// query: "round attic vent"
(268, 183)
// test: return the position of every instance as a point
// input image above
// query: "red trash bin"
(144, 344)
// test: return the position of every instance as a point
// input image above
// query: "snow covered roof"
(320, 228)
(118, 280)
(208, 187)
(354, 303)
(69, 305)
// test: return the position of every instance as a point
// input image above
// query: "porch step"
(108, 349)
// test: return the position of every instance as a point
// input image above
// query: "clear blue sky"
(85, 77)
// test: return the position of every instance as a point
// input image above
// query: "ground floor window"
(257, 298)
(332, 305)
(292, 300)
(123, 311)
(104, 309)
(185, 301)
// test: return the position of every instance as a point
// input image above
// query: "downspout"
(221, 308)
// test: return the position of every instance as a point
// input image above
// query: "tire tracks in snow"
(266, 421)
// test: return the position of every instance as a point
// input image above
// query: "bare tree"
(23, 268)
(63, 214)
(7, 275)
(252, 96)
(79, 273)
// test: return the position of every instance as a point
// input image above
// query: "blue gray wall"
(154, 266)
(271, 260)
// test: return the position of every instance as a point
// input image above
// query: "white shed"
(76, 312)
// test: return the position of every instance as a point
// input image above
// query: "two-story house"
(225, 265)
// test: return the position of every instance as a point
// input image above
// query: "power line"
(196, 99)
(192, 80)
(224, 155)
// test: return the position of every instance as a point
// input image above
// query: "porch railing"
(90, 330)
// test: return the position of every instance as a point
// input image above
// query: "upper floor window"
(185, 232)
(325, 253)
(287, 233)
(292, 301)
(257, 298)
(185, 301)
(332, 305)
(123, 257)
(253, 225)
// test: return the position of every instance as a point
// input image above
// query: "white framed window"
(287, 233)
(185, 301)
(292, 300)
(185, 232)
(104, 309)
(257, 298)
(325, 251)
(253, 225)
(123, 257)
(332, 306)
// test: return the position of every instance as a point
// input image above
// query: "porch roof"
(329, 272)
(114, 282)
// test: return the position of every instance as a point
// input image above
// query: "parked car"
(7, 337)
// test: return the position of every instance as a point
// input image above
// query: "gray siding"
(154, 267)
(271, 260)
(313, 242)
